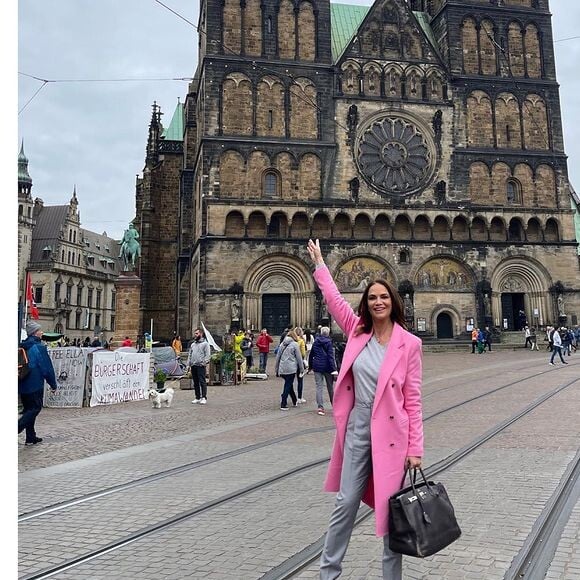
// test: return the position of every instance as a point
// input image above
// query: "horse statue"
(130, 248)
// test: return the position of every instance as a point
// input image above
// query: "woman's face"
(379, 303)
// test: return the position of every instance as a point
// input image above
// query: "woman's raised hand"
(315, 253)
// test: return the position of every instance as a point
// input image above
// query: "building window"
(69, 320)
(75, 237)
(98, 305)
(112, 322)
(56, 292)
(403, 257)
(271, 184)
(514, 192)
(78, 320)
(62, 256)
(29, 212)
(25, 238)
(79, 295)
(270, 119)
(113, 300)
(38, 295)
(20, 210)
(269, 25)
(89, 320)
(90, 297)
(97, 320)
(68, 293)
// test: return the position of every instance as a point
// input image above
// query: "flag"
(210, 339)
(30, 298)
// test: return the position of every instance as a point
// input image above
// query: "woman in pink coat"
(377, 412)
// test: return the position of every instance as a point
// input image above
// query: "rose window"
(394, 156)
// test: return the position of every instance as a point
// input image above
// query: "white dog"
(157, 398)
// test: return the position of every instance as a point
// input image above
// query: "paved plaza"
(498, 491)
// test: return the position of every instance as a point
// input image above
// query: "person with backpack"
(246, 345)
(31, 386)
(321, 360)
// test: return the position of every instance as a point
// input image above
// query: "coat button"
(392, 444)
(391, 417)
(348, 388)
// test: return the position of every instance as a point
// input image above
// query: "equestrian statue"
(130, 248)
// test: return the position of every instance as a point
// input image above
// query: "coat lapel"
(394, 353)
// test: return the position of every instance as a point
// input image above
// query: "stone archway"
(446, 311)
(288, 284)
(525, 282)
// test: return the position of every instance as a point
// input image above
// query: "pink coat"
(396, 423)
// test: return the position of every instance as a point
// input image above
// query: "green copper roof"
(175, 130)
(423, 20)
(344, 22)
(23, 175)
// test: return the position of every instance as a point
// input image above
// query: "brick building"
(72, 270)
(419, 140)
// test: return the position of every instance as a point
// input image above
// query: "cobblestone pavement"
(86, 450)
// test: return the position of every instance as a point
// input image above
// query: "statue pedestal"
(128, 301)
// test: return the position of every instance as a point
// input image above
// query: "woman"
(176, 345)
(246, 345)
(288, 363)
(377, 412)
(300, 374)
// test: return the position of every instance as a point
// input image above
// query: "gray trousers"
(356, 469)
(319, 379)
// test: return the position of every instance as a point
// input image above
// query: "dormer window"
(46, 251)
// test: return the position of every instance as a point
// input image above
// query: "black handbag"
(421, 518)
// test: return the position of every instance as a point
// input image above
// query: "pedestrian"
(31, 387)
(176, 345)
(288, 362)
(263, 343)
(487, 339)
(197, 360)
(380, 379)
(527, 335)
(556, 346)
(480, 341)
(474, 335)
(246, 345)
(300, 374)
(127, 342)
(549, 335)
(566, 341)
(533, 338)
(87, 342)
(322, 362)
(308, 340)
(238, 337)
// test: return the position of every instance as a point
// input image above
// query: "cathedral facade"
(420, 141)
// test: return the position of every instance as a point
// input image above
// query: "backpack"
(23, 368)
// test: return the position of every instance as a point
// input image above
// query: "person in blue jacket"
(321, 360)
(31, 387)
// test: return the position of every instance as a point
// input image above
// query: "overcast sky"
(93, 134)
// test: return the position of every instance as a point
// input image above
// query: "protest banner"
(118, 377)
(70, 365)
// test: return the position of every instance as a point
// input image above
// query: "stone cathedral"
(419, 140)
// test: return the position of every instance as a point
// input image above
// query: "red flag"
(30, 298)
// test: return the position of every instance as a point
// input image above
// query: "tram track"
(533, 560)
(24, 517)
(298, 562)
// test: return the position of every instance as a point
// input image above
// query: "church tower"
(509, 149)
(25, 219)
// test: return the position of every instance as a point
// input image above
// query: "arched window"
(20, 210)
(271, 187)
(514, 192)
(403, 257)
(269, 25)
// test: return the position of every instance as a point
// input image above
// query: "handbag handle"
(413, 481)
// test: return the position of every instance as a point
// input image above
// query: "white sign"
(70, 365)
(118, 377)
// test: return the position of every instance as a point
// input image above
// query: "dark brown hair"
(397, 312)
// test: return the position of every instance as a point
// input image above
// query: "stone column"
(128, 314)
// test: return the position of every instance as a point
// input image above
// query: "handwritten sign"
(119, 377)
(70, 365)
